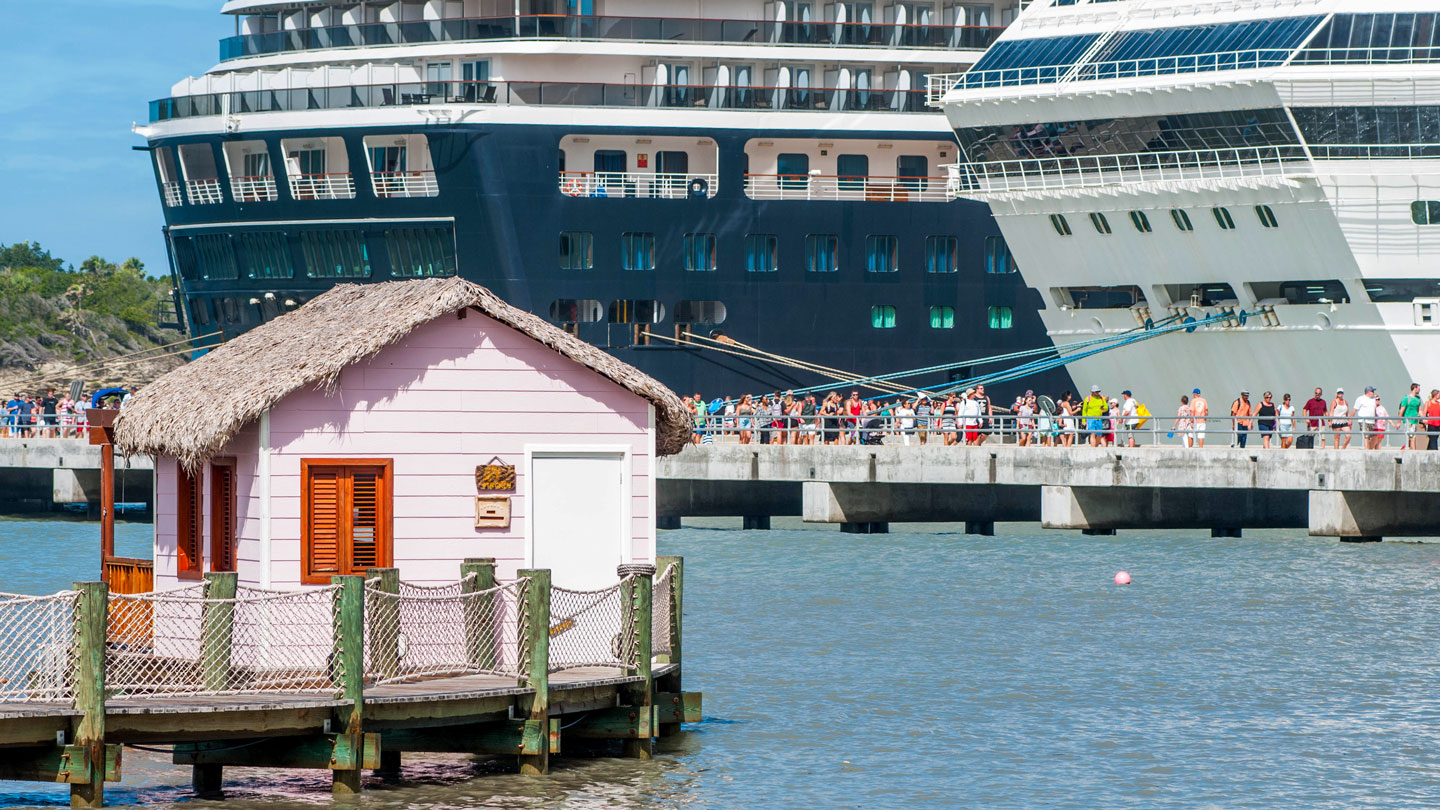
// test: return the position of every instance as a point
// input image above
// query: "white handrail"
(205, 192)
(670, 186)
(1085, 171)
(858, 188)
(405, 184)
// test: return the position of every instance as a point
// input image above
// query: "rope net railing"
(588, 629)
(36, 638)
(441, 631)
(661, 611)
(178, 642)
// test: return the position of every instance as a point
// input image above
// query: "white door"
(578, 513)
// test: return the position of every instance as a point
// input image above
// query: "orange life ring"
(572, 188)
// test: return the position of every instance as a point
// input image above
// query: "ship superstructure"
(634, 171)
(1270, 159)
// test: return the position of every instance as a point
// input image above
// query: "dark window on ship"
(637, 251)
(576, 310)
(882, 316)
(1200, 295)
(1325, 291)
(912, 171)
(420, 252)
(217, 257)
(942, 317)
(636, 312)
(185, 259)
(1060, 224)
(821, 253)
(1104, 297)
(706, 312)
(1102, 225)
(997, 256)
(882, 254)
(577, 250)
(1182, 220)
(1267, 216)
(265, 254)
(1223, 219)
(760, 253)
(1425, 212)
(1142, 222)
(794, 170)
(1401, 290)
(942, 254)
(699, 252)
(335, 254)
(853, 170)
(1000, 317)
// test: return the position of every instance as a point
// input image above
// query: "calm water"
(931, 669)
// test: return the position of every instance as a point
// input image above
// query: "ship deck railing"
(859, 188)
(326, 186)
(656, 185)
(260, 188)
(562, 94)
(590, 27)
(1089, 171)
(205, 191)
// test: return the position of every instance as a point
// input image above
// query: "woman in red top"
(1432, 420)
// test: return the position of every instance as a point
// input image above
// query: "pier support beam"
(667, 522)
(757, 522)
(1233, 533)
(876, 527)
(207, 780)
(1369, 516)
(972, 504)
(726, 498)
(981, 528)
(1113, 507)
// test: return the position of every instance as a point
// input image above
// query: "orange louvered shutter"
(188, 527)
(364, 511)
(346, 518)
(322, 538)
(222, 515)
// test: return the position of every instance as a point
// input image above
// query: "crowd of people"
(49, 415)
(971, 418)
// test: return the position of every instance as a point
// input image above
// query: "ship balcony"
(332, 186)
(172, 194)
(204, 192)
(405, 184)
(643, 185)
(634, 29)
(1081, 171)
(260, 188)
(848, 187)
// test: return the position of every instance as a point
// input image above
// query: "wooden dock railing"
(87, 649)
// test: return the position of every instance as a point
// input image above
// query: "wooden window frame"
(189, 523)
(385, 518)
(219, 560)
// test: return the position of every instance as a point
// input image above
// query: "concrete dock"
(1349, 494)
(39, 475)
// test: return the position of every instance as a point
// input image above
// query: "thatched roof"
(194, 411)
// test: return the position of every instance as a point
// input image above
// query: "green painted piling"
(480, 640)
(350, 683)
(535, 662)
(87, 787)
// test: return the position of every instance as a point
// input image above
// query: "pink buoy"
(1122, 578)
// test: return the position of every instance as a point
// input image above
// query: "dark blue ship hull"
(498, 183)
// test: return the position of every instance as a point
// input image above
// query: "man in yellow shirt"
(1093, 410)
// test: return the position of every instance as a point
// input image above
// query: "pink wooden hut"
(410, 424)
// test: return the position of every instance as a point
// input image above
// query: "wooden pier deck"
(370, 668)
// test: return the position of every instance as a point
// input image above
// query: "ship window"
(630, 311)
(1331, 291)
(1029, 61)
(1102, 225)
(997, 256)
(185, 260)
(942, 317)
(577, 250)
(1104, 297)
(1182, 220)
(794, 170)
(1060, 224)
(637, 251)
(421, 252)
(912, 171)
(1001, 317)
(1401, 290)
(706, 312)
(335, 254)
(265, 254)
(1200, 295)
(942, 254)
(1267, 216)
(217, 257)
(700, 252)
(821, 251)
(853, 170)
(576, 310)
(760, 253)
(882, 254)
(1200, 48)
(1425, 212)
(1223, 219)
(882, 316)
(1142, 222)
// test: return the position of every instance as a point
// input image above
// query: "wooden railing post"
(380, 617)
(535, 670)
(217, 623)
(638, 593)
(480, 641)
(675, 583)
(349, 664)
(88, 728)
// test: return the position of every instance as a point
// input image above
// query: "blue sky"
(78, 74)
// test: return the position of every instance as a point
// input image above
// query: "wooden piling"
(88, 728)
(535, 666)
(480, 640)
(381, 614)
(676, 584)
(349, 618)
(217, 623)
(639, 596)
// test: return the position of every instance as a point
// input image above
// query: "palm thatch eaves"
(192, 413)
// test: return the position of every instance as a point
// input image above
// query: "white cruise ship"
(1274, 161)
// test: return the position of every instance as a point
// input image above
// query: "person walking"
(1340, 420)
(1315, 410)
(1025, 419)
(1365, 410)
(1199, 412)
(1240, 412)
(1266, 416)
(1432, 419)
(1409, 413)
(986, 413)
(1287, 423)
(1129, 417)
